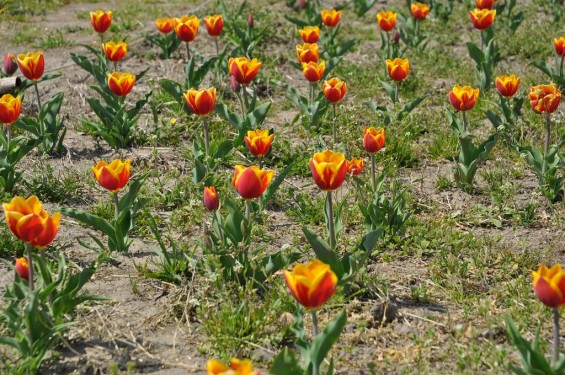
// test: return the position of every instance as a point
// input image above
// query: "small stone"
(384, 312)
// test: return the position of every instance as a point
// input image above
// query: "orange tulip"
(549, 285)
(307, 52)
(236, 367)
(331, 18)
(186, 28)
(507, 85)
(419, 11)
(484, 4)
(545, 98)
(386, 20)
(115, 51)
(482, 18)
(10, 108)
(311, 284)
(334, 90)
(211, 201)
(113, 176)
(243, 69)
(314, 71)
(328, 169)
(373, 139)
(121, 83)
(310, 34)
(355, 166)
(22, 268)
(259, 141)
(214, 24)
(559, 45)
(165, 25)
(32, 65)
(101, 20)
(463, 98)
(30, 222)
(201, 102)
(251, 182)
(398, 69)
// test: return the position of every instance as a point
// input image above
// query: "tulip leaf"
(257, 117)
(287, 363)
(89, 219)
(274, 185)
(324, 252)
(324, 341)
(224, 112)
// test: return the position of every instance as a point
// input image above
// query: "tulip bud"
(302, 4)
(396, 37)
(211, 201)
(22, 268)
(250, 22)
(234, 85)
(10, 64)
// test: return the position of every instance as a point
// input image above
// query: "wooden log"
(9, 84)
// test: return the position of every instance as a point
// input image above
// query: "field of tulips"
(290, 187)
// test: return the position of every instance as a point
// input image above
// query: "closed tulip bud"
(355, 166)
(243, 69)
(29, 222)
(251, 182)
(113, 176)
(395, 37)
(234, 85)
(559, 45)
(236, 367)
(250, 21)
(211, 201)
(307, 52)
(186, 28)
(331, 18)
(420, 11)
(507, 85)
(214, 24)
(259, 141)
(328, 169)
(22, 268)
(334, 90)
(10, 108)
(32, 65)
(463, 98)
(310, 34)
(545, 98)
(386, 20)
(201, 102)
(484, 4)
(549, 285)
(373, 139)
(101, 20)
(314, 71)
(398, 69)
(121, 83)
(302, 4)
(311, 284)
(115, 51)
(10, 64)
(165, 25)
(482, 18)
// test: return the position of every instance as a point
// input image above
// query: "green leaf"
(286, 363)
(327, 338)
(324, 252)
(89, 219)
(270, 192)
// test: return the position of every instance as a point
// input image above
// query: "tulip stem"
(215, 218)
(260, 162)
(115, 66)
(30, 264)
(8, 135)
(331, 228)
(116, 204)
(396, 89)
(315, 365)
(217, 46)
(241, 105)
(561, 67)
(335, 124)
(38, 98)
(555, 335)
(417, 28)
(482, 41)
(311, 93)
(374, 172)
(206, 136)
(464, 122)
(245, 99)
(388, 54)
(187, 52)
(546, 145)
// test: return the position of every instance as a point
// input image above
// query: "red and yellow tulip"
(22, 268)
(310, 34)
(201, 102)
(259, 141)
(334, 90)
(549, 285)
(373, 139)
(32, 65)
(545, 98)
(243, 69)
(463, 98)
(331, 18)
(113, 176)
(559, 45)
(29, 222)
(10, 64)
(10, 108)
(121, 83)
(419, 11)
(186, 28)
(165, 25)
(482, 18)
(386, 20)
(101, 20)
(236, 367)
(484, 4)
(311, 284)
(507, 85)
(328, 169)
(398, 69)
(214, 24)
(314, 71)
(115, 51)
(355, 166)
(251, 182)
(211, 201)
(307, 52)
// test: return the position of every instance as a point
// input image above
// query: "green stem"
(464, 121)
(8, 135)
(206, 136)
(116, 205)
(30, 265)
(561, 67)
(374, 172)
(115, 66)
(396, 89)
(217, 46)
(247, 210)
(482, 41)
(215, 218)
(187, 51)
(245, 99)
(241, 105)
(260, 162)
(388, 56)
(311, 93)
(38, 98)
(334, 125)
(315, 366)
(555, 335)
(546, 144)
(331, 220)
(417, 28)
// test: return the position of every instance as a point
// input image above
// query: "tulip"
(373, 139)
(398, 69)
(302, 4)
(328, 169)
(355, 166)
(236, 367)
(331, 18)
(234, 85)
(395, 37)
(10, 108)
(307, 52)
(165, 25)
(251, 182)
(482, 18)
(463, 98)
(311, 284)
(115, 51)
(386, 20)
(113, 176)
(121, 83)
(259, 142)
(211, 201)
(419, 11)
(10, 64)
(101, 20)
(334, 90)
(22, 268)
(314, 71)
(545, 98)
(186, 28)
(214, 25)
(484, 4)
(507, 85)
(310, 34)
(243, 69)
(32, 65)
(201, 102)
(559, 45)
(250, 20)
